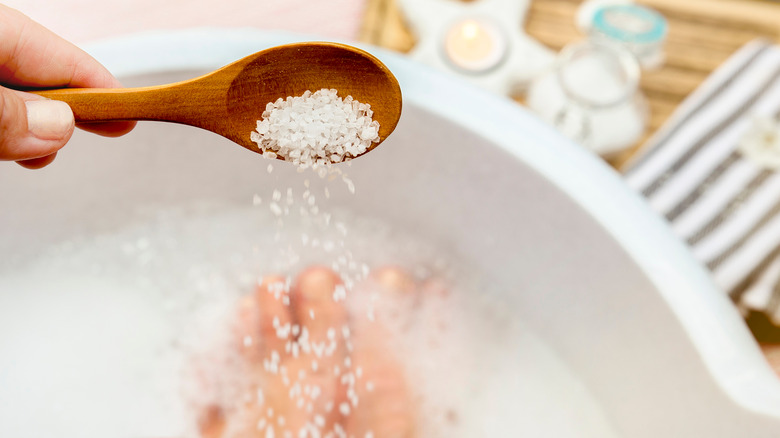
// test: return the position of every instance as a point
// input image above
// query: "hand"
(33, 129)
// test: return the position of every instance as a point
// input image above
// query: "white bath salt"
(247, 341)
(295, 349)
(344, 408)
(318, 348)
(257, 200)
(350, 184)
(316, 392)
(261, 424)
(339, 293)
(316, 129)
(260, 396)
(329, 246)
(270, 168)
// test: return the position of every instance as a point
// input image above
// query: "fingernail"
(49, 119)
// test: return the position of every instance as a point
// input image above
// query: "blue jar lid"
(630, 24)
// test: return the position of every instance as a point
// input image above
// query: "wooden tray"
(702, 34)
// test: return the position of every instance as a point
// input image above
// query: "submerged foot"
(314, 369)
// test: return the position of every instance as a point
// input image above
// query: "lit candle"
(475, 45)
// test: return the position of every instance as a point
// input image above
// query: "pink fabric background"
(82, 21)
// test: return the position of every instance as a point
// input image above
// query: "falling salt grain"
(344, 408)
(350, 184)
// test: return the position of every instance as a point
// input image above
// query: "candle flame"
(470, 30)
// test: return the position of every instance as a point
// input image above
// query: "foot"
(313, 369)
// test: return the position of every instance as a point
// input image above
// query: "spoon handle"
(161, 103)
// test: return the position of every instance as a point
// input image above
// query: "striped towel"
(723, 203)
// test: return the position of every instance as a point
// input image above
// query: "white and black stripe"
(724, 205)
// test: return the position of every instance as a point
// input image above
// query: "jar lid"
(630, 24)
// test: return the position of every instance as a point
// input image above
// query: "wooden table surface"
(702, 35)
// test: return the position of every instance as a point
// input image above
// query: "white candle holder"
(592, 96)
(481, 41)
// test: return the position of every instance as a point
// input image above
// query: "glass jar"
(641, 30)
(592, 96)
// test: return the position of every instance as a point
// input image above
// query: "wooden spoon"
(229, 101)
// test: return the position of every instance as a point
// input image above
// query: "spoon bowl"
(230, 100)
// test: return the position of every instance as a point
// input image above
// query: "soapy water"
(100, 336)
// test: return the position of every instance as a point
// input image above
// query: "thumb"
(32, 129)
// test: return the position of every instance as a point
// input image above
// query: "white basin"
(583, 263)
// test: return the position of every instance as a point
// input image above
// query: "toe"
(275, 319)
(318, 304)
(212, 422)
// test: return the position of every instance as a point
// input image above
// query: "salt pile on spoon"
(316, 129)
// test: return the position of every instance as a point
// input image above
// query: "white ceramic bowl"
(585, 264)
